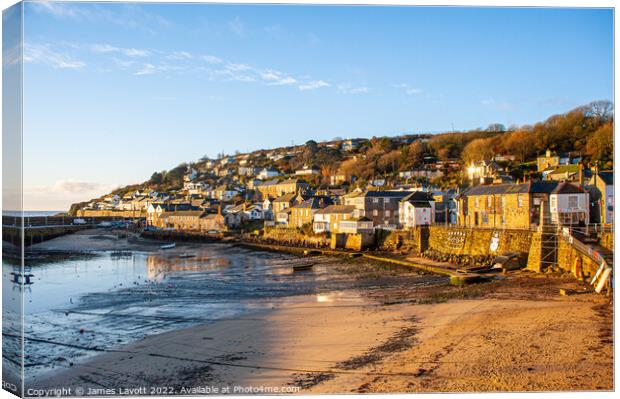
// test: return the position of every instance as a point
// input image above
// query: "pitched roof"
(337, 209)
(418, 197)
(382, 193)
(286, 197)
(523, 188)
(568, 188)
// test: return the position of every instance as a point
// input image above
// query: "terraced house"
(522, 206)
(274, 188)
(381, 207)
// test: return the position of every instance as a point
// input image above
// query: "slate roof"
(337, 209)
(542, 187)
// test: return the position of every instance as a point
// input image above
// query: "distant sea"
(30, 213)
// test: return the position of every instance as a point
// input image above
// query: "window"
(375, 200)
(485, 218)
(520, 201)
(387, 214)
(573, 201)
(489, 202)
(375, 212)
(476, 202)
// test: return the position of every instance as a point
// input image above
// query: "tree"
(520, 143)
(600, 146)
(478, 150)
(496, 128)
(416, 152)
(157, 178)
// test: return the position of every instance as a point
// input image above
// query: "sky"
(114, 92)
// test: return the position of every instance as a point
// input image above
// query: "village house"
(286, 201)
(569, 205)
(356, 225)
(416, 209)
(283, 217)
(195, 188)
(601, 188)
(308, 170)
(303, 213)
(482, 172)
(350, 145)
(573, 172)
(329, 218)
(222, 193)
(337, 179)
(274, 188)
(519, 206)
(551, 160)
(268, 173)
(247, 171)
(428, 174)
(379, 206)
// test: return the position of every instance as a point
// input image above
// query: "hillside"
(586, 131)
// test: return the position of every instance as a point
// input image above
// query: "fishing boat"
(303, 266)
(168, 246)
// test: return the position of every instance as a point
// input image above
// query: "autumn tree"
(478, 150)
(600, 145)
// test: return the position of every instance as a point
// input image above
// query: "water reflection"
(158, 267)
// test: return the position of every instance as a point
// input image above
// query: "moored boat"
(168, 246)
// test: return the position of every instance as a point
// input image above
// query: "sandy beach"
(503, 339)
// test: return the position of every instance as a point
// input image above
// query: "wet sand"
(514, 334)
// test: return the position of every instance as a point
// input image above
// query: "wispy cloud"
(349, 89)
(237, 27)
(141, 62)
(43, 54)
(72, 186)
(313, 85)
(408, 89)
(147, 69)
(211, 59)
(129, 52)
(131, 16)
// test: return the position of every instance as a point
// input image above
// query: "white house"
(268, 173)
(569, 204)
(307, 170)
(416, 209)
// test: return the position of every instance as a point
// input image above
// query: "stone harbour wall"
(463, 241)
(568, 259)
(292, 236)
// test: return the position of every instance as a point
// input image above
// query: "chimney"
(219, 209)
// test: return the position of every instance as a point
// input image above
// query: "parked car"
(79, 221)
(104, 224)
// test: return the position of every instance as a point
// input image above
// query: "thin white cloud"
(43, 54)
(147, 69)
(349, 89)
(179, 55)
(275, 78)
(237, 27)
(134, 52)
(238, 67)
(408, 89)
(211, 59)
(131, 16)
(129, 52)
(313, 85)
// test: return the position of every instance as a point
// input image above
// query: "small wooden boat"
(184, 256)
(303, 266)
(168, 246)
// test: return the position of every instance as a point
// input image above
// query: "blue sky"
(127, 89)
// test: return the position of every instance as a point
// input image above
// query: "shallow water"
(76, 308)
